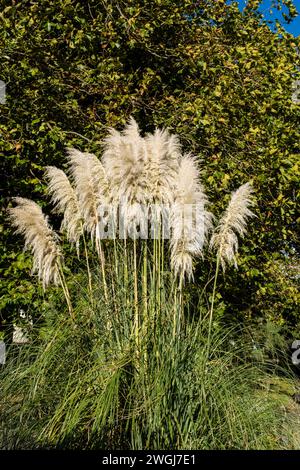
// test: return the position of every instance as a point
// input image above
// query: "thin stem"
(65, 291)
(114, 281)
(101, 260)
(159, 272)
(175, 318)
(206, 357)
(145, 283)
(136, 307)
(116, 257)
(145, 319)
(212, 305)
(114, 275)
(178, 305)
(180, 301)
(163, 280)
(88, 266)
(126, 272)
(154, 269)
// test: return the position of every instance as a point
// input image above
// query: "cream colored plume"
(64, 198)
(91, 188)
(124, 160)
(233, 222)
(190, 221)
(143, 171)
(163, 152)
(30, 222)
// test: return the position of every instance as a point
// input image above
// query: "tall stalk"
(212, 304)
(145, 280)
(125, 265)
(65, 290)
(159, 245)
(101, 261)
(178, 306)
(136, 306)
(88, 266)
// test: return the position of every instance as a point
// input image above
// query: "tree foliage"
(219, 78)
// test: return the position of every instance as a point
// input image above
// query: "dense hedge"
(220, 79)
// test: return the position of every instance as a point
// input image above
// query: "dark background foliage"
(220, 79)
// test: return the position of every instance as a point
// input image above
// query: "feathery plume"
(190, 221)
(91, 188)
(124, 162)
(64, 198)
(163, 152)
(234, 220)
(30, 222)
(143, 171)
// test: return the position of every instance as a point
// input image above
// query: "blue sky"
(293, 28)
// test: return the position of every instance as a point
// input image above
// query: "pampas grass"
(124, 163)
(92, 191)
(163, 152)
(40, 238)
(78, 388)
(91, 187)
(139, 370)
(64, 198)
(233, 222)
(141, 177)
(225, 240)
(190, 220)
(29, 220)
(142, 171)
(123, 160)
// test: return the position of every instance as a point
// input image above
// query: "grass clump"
(82, 385)
(131, 367)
